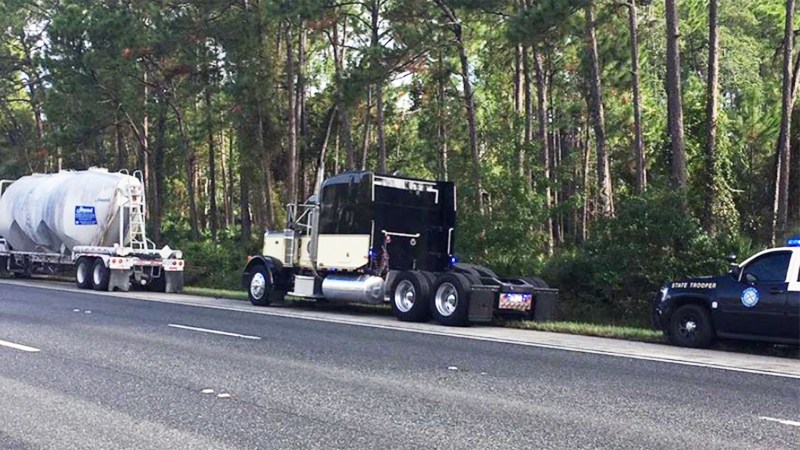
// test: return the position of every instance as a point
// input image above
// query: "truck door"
(793, 301)
(760, 307)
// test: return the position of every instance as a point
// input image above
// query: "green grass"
(591, 329)
(216, 293)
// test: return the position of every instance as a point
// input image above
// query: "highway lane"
(113, 372)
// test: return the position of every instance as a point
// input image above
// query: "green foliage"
(210, 264)
(627, 258)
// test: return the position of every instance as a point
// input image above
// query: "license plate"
(518, 302)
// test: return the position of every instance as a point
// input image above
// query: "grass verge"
(216, 293)
(590, 329)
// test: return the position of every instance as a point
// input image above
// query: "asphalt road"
(117, 373)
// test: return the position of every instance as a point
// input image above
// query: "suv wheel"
(690, 326)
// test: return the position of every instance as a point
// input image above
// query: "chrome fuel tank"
(357, 289)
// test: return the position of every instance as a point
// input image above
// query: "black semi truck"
(371, 238)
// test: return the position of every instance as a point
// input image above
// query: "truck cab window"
(771, 267)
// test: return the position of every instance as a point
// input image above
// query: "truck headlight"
(663, 294)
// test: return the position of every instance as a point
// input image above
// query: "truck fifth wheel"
(370, 238)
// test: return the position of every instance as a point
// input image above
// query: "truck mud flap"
(545, 304)
(481, 303)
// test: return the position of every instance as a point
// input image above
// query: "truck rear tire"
(410, 296)
(450, 305)
(100, 275)
(83, 273)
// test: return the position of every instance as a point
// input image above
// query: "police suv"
(758, 299)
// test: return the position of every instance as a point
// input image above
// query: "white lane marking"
(224, 396)
(448, 333)
(781, 421)
(207, 391)
(24, 348)
(206, 330)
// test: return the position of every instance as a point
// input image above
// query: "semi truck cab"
(372, 238)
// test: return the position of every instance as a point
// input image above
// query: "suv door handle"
(776, 291)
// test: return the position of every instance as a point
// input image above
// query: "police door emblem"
(750, 297)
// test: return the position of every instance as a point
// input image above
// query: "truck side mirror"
(750, 278)
(735, 271)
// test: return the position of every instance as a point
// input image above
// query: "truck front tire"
(450, 305)
(690, 326)
(261, 290)
(410, 297)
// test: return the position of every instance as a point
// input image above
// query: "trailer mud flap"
(120, 280)
(481, 303)
(174, 281)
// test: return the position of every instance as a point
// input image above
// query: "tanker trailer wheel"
(100, 275)
(411, 296)
(450, 306)
(83, 273)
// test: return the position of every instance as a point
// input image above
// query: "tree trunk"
(712, 87)
(341, 107)
(144, 142)
(376, 48)
(674, 101)
(191, 175)
(541, 113)
(781, 199)
(469, 101)
(119, 139)
(291, 182)
(223, 156)
(441, 130)
(528, 106)
(245, 170)
(366, 135)
(638, 139)
(158, 166)
(303, 144)
(212, 164)
(598, 119)
(269, 220)
(518, 120)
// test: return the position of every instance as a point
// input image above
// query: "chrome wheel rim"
(258, 284)
(97, 274)
(81, 273)
(405, 295)
(446, 299)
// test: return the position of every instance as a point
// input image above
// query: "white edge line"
(24, 348)
(206, 330)
(781, 421)
(437, 333)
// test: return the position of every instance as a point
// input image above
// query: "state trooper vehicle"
(759, 299)
(372, 238)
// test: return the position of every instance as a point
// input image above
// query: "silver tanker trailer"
(89, 222)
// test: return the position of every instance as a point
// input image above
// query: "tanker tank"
(55, 213)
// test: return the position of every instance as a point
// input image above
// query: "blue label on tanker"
(85, 215)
